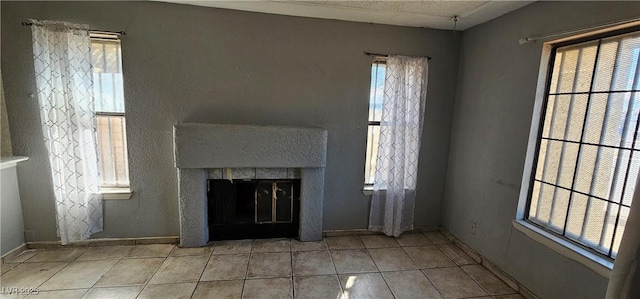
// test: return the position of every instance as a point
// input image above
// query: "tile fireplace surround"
(199, 147)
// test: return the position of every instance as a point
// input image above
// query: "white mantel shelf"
(12, 161)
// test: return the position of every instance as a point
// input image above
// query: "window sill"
(12, 161)
(595, 262)
(115, 193)
(367, 190)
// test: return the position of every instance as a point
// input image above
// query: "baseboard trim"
(14, 252)
(105, 242)
(514, 284)
(364, 231)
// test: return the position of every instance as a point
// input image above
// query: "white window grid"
(110, 111)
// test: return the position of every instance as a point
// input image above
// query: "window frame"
(116, 191)
(368, 187)
(591, 258)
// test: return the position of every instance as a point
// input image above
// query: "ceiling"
(436, 14)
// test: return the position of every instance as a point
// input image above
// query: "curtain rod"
(90, 30)
(525, 40)
(384, 55)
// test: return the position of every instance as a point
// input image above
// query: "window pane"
(619, 63)
(552, 154)
(594, 223)
(376, 94)
(553, 88)
(542, 158)
(105, 140)
(567, 69)
(109, 97)
(112, 147)
(560, 204)
(574, 65)
(576, 219)
(97, 51)
(377, 91)
(107, 75)
(631, 179)
(589, 156)
(542, 200)
(568, 165)
(551, 204)
(596, 118)
(558, 115)
(372, 153)
(606, 65)
(622, 221)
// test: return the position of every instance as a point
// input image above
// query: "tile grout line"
(498, 273)
(477, 282)
(292, 265)
(156, 271)
(334, 265)
(482, 286)
(54, 274)
(87, 290)
(465, 250)
(439, 250)
(105, 273)
(246, 272)
(206, 263)
(451, 243)
(292, 291)
(419, 268)
(376, 265)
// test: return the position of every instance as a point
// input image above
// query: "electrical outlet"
(472, 228)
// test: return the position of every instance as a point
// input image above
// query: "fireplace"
(253, 208)
(201, 149)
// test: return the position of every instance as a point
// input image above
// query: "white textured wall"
(12, 234)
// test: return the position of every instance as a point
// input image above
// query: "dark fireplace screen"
(248, 209)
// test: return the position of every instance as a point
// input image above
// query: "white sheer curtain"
(625, 277)
(62, 62)
(403, 105)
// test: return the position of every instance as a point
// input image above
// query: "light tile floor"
(368, 266)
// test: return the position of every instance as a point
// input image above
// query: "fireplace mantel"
(198, 147)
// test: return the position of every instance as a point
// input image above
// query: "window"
(588, 149)
(109, 94)
(375, 115)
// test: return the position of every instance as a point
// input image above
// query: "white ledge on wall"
(115, 193)
(12, 161)
(595, 262)
(367, 190)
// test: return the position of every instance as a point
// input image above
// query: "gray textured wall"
(5, 140)
(494, 103)
(193, 64)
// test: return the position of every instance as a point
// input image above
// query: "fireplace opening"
(253, 209)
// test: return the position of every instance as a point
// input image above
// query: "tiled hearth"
(368, 266)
